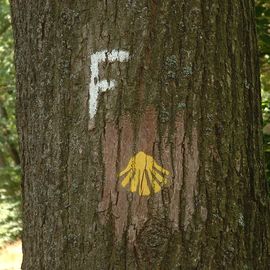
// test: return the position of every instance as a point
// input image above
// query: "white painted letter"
(95, 84)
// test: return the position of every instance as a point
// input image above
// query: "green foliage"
(10, 225)
(10, 217)
(6, 46)
(263, 20)
(263, 29)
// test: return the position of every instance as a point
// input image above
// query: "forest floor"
(11, 256)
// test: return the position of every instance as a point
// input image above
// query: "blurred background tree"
(10, 221)
(10, 225)
(263, 29)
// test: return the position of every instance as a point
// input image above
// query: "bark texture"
(189, 97)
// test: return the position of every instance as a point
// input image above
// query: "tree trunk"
(140, 133)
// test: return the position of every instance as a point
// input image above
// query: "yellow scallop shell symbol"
(144, 175)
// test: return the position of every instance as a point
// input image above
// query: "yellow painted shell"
(143, 175)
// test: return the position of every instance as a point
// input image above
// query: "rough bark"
(189, 96)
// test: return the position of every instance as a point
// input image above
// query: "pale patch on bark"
(120, 144)
(147, 135)
(145, 141)
(114, 196)
(139, 215)
(178, 172)
(204, 213)
(110, 155)
(192, 168)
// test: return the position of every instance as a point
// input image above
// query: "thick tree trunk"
(159, 165)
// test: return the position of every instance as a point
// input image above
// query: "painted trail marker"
(96, 86)
(144, 175)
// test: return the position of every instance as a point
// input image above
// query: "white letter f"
(95, 84)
